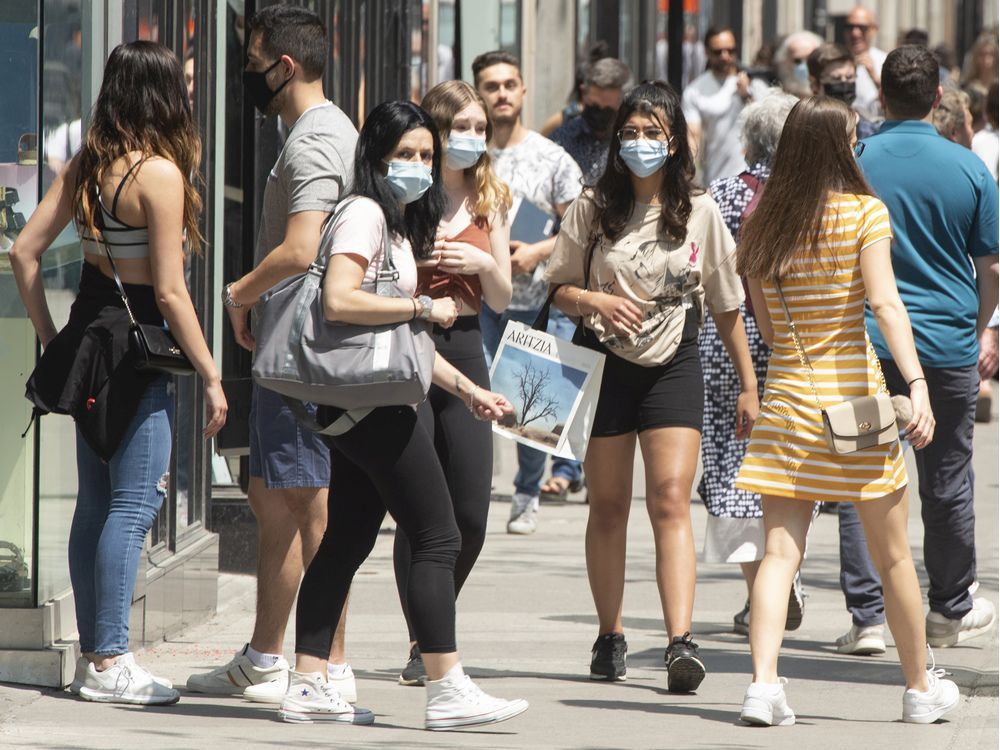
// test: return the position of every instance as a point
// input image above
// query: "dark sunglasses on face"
(730, 50)
(862, 27)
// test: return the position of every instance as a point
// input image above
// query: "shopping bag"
(553, 386)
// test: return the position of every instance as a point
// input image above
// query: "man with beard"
(832, 73)
(586, 138)
(541, 173)
(289, 466)
(712, 104)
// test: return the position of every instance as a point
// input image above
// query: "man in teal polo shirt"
(942, 203)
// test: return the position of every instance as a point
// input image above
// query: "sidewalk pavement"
(525, 629)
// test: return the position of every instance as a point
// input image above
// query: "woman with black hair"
(387, 461)
(638, 258)
(130, 195)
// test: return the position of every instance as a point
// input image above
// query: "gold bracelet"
(579, 294)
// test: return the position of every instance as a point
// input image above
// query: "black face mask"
(600, 119)
(257, 90)
(843, 90)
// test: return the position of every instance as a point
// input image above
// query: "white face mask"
(463, 150)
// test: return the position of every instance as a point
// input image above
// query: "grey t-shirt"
(311, 174)
(539, 171)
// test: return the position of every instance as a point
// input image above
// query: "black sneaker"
(413, 673)
(607, 660)
(685, 670)
(741, 620)
(796, 604)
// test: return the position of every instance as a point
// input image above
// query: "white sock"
(336, 671)
(262, 661)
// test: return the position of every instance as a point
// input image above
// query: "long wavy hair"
(613, 194)
(813, 160)
(442, 103)
(384, 126)
(142, 106)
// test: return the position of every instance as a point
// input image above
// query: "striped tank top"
(126, 242)
(788, 455)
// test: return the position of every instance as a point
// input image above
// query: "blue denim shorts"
(282, 452)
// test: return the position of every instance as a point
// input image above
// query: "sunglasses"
(862, 27)
(730, 50)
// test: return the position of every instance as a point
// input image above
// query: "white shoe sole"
(931, 716)
(97, 696)
(863, 647)
(759, 714)
(604, 678)
(310, 717)
(515, 708)
(267, 699)
(520, 530)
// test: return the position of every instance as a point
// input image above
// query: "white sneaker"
(927, 707)
(274, 691)
(80, 677)
(234, 677)
(311, 698)
(866, 641)
(456, 701)
(764, 705)
(126, 682)
(523, 514)
(943, 632)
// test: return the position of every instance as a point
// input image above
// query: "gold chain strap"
(803, 358)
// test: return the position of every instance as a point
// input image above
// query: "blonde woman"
(470, 264)
(128, 190)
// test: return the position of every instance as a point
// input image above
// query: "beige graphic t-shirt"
(662, 277)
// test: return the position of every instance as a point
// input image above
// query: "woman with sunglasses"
(639, 259)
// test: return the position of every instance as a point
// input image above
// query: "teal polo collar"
(908, 127)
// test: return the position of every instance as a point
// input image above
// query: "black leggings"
(464, 447)
(386, 462)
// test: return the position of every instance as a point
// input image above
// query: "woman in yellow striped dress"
(821, 237)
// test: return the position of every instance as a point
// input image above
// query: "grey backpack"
(305, 357)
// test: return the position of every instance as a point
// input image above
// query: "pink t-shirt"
(357, 230)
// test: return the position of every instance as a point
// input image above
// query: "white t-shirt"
(866, 90)
(357, 230)
(986, 145)
(716, 106)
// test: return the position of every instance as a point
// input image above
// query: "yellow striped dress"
(788, 455)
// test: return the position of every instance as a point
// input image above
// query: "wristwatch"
(227, 296)
(426, 303)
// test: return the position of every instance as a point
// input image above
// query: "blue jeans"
(945, 482)
(531, 462)
(116, 504)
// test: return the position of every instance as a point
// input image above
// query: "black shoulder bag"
(153, 347)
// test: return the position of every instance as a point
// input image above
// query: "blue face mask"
(643, 157)
(802, 72)
(409, 179)
(463, 150)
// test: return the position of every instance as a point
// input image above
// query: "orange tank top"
(467, 288)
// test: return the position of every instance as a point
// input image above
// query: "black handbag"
(153, 348)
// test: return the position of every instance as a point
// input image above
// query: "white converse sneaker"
(943, 632)
(80, 677)
(866, 641)
(233, 678)
(125, 682)
(456, 701)
(940, 697)
(274, 692)
(764, 705)
(523, 514)
(311, 698)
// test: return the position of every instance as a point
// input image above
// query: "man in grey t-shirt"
(289, 466)
(542, 173)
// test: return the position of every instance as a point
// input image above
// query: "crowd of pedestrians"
(818, 267)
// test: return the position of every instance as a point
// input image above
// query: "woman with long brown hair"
(129, 193)
(640, 259)
(470, 264)
(814, 251)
